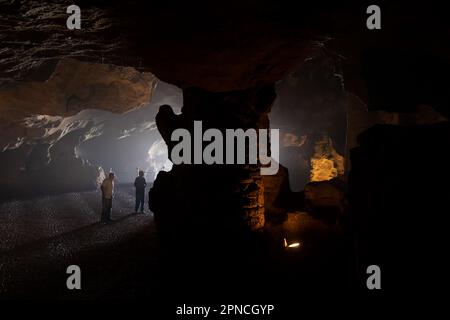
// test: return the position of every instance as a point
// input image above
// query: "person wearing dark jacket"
(140, 184)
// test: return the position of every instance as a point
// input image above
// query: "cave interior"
(363, 122)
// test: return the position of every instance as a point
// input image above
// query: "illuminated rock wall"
(326, 163)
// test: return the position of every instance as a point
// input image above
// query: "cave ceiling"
(233, 45)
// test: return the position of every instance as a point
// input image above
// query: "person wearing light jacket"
(107, 188)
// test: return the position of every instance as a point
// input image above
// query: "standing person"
(140, 184)
(107, 196)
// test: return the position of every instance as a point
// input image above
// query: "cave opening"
(363, 122)
(76, 149)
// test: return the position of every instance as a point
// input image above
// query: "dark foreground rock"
(398, 196)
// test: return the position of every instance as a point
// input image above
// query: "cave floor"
(41, 236)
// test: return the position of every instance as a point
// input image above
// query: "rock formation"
(326, 163)
(216, 203)
(66, 144)
(397, 190)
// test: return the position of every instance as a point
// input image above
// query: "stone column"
(219, 203)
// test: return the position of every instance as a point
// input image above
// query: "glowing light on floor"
(290, 245)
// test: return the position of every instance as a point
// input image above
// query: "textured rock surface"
(74, 86)
(242, 50)
(326, 163)
(35, 37)
(398, 187)
(233, 45)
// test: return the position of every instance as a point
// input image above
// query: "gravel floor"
(40, 237)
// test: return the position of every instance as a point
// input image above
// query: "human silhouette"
(140, 184)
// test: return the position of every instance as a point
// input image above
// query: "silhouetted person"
(140, 184)
(107, 196)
